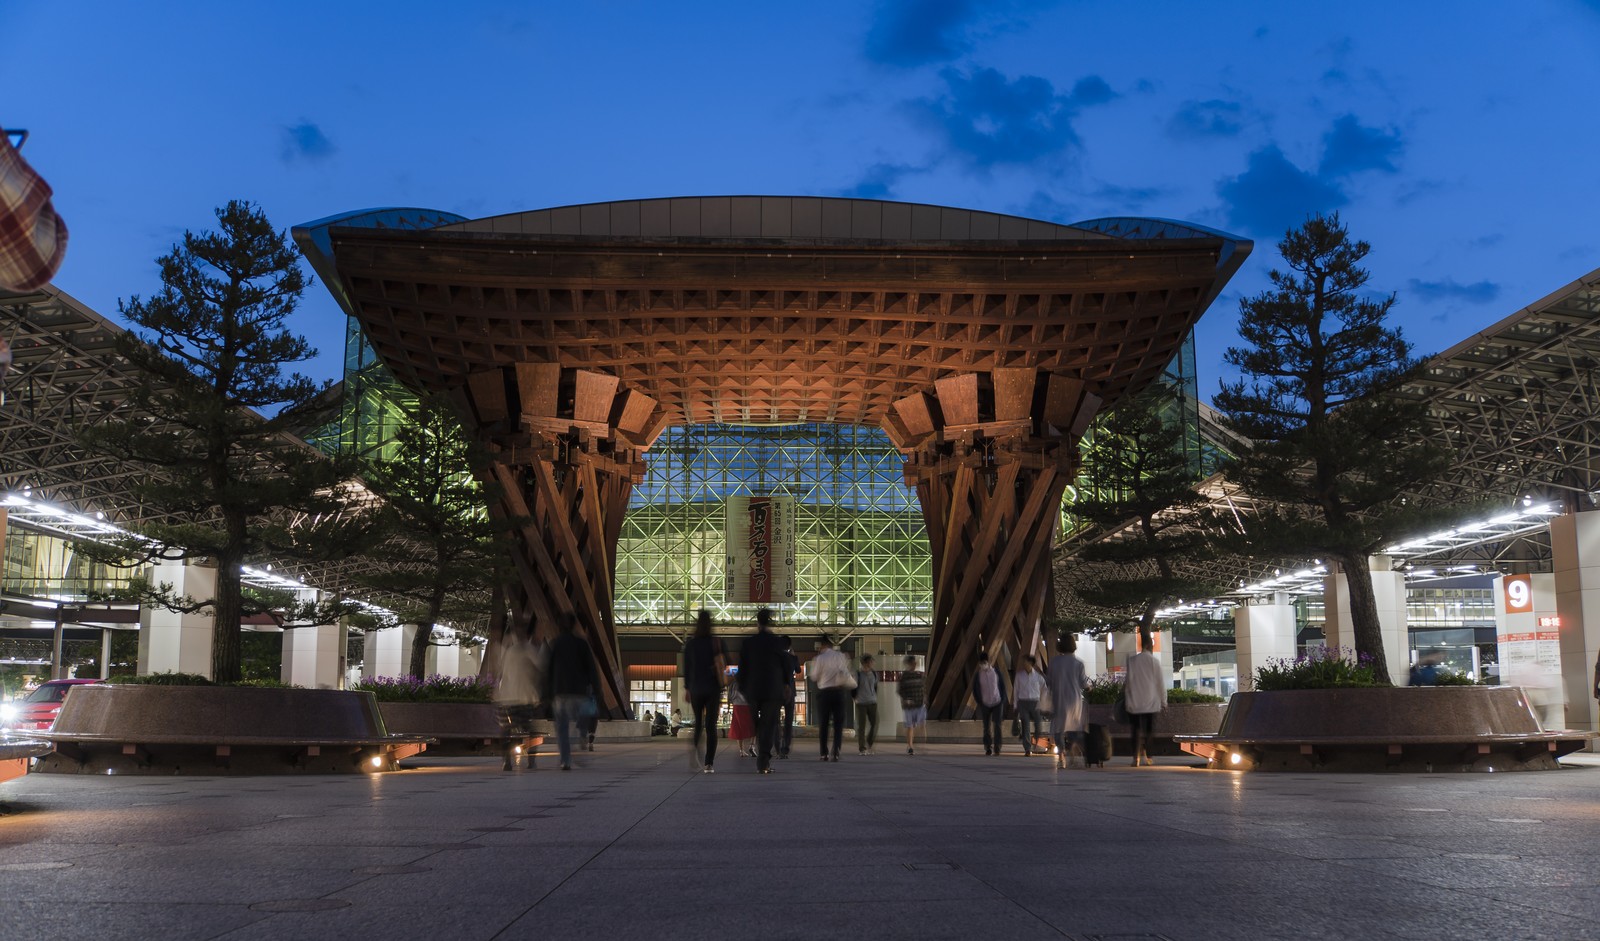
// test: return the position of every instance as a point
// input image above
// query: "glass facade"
(862, 549)
(43, 565)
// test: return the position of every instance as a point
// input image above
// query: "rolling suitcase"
(1096, 745)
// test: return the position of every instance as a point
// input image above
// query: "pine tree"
(213, 429)
(1142, 483)
(1334, 448)
(442, 547)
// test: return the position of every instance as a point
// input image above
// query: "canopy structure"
(983, 344)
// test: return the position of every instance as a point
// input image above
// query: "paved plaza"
(946, 844)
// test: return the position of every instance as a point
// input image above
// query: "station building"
(864, 566)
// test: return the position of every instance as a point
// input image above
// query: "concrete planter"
(1176, 719)
(1429, 728)
(221, 729)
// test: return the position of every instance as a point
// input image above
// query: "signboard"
(760, 565)
(1519, 594)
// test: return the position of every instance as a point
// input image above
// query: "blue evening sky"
(1459, 138)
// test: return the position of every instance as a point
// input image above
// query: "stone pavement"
(947, 844)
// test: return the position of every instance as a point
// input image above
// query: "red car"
(36, 711)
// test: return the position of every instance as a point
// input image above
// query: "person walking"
(571, 683)
(989, 692)
(705, 663)
(785, 736)
(742, 724)
(831, 673)
(912, 701)
(866, 706)
(1067, 679)
(762, 672)
(1144, 694)
(1027, 688)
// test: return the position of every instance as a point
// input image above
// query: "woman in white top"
(1144, 695)
(1025, 691)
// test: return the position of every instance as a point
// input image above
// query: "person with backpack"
(705, 663)
(989, 692)
(912, 700)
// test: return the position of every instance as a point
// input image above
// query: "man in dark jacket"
(785, 736)
(762, 668)
(570, 684)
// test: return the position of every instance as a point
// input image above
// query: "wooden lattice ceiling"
(757, 331)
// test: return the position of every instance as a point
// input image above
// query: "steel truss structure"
(862, 547)
(1516, 401)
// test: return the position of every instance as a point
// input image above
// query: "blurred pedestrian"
(785, 736)
(866, 706)
(1027, 688)
(834, 679)
(1067, 679)
(989, 692)
(571, 683)
(1425, 672)
(1144, 694)
(763, 673)
(705, 663)
(912, 702)
(742, 727)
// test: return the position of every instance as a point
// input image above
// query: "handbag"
(1119, 711)
(1046, 702)
(1016, 728)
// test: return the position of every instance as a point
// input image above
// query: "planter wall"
(220, 729)
(1429, 728)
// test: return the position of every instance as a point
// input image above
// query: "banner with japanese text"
(760, 566)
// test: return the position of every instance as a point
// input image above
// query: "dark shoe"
(988, 751)
(767, 770)
(911, 751)
(824, 757)
(566, 767)
(836, 756)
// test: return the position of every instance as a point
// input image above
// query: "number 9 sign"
(1519, 594)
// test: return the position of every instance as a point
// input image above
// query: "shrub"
(1452, 678)
(266, 684)
(1320, 668)
(1179, 696)
(168, 678)
(1103, 690)
(435, 688)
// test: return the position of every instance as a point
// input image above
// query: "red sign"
(1518, 593)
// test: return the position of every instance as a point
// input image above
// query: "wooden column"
(989, 455)
(566, 447)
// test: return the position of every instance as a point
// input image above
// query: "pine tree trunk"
(226, 624)
(1364, 614)
(424, 636)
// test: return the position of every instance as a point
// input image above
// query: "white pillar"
(388, 652)
(1125, 645)
(313, 657)
(1092, 651)
(173, 642)
(1389, 590)
(1575, 548)
(1262, 632)
(1525, 621)
(450, 661)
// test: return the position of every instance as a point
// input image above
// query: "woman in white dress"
(1067, 680)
